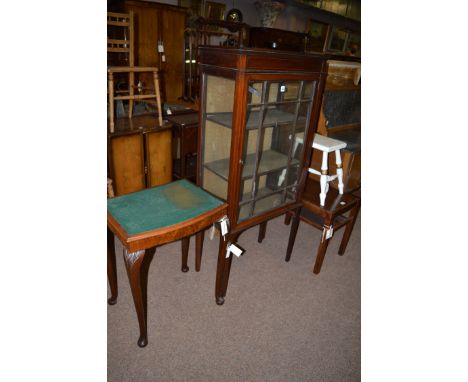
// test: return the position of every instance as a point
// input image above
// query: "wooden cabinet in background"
(155, 23)
(139, 157)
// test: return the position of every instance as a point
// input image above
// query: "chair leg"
(111, 267)
(199, 249)
(287, 218)
(293, 233)
(131, 90)
(349, 228)
(262, 231)
(185, 248)
(111, 101)
(158, 97)
(322, 249)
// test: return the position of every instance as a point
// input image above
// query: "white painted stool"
(327, 145)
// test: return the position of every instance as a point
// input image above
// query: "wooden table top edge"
(159, 236)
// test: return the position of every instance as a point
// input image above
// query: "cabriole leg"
(137, 265)
(111, 267)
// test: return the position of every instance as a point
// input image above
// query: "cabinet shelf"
(266, 199)
(272, 117)
(271, 161)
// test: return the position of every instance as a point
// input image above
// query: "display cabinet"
(257, 106)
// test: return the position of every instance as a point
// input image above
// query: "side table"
(145, 219)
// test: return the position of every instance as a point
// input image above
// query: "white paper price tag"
(224, 228)
(234, 249)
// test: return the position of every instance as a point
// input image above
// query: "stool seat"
(327, 144)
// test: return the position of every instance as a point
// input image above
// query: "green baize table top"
(160, 206)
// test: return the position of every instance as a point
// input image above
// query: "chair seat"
(327, 144)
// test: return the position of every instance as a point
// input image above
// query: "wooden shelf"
(272, 117)
(271, 161)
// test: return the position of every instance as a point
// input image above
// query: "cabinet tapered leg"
(137, 265)
(199, 249)
(293, 232)
(349, 229)
(224, 267)
(111, 267)
(185, 248)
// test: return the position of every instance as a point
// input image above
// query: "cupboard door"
(159, 157)
(173, 25)
(156, 22)
(127, 158)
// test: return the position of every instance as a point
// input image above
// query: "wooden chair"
(340, 210)
(125, 45)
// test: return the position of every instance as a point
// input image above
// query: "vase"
(268, 11)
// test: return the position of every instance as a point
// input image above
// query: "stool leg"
(324, 178)
(349, 228)
(339, 171)
(199, 249)
(262, 231)
(322, 249)
(185, 248)
(137, 265)
(111, 267)
(293, 233)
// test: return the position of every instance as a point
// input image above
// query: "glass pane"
(354, 10)
(335, 6)
(216, 140)
(316, 36)
(354, 45)
(338, 39)
(283, 91)
(308, 90)
(255, 93)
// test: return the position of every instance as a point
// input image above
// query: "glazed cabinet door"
(278, 114)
